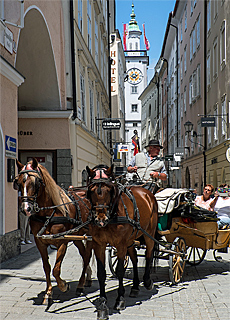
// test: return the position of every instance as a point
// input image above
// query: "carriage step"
(65, 237)
(162, 233)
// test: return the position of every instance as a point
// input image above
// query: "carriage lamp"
(188, 126)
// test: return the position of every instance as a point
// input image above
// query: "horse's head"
(101, 193)
(28, 183)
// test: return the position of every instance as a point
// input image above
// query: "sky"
(154, 13)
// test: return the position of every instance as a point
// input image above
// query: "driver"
(149, 165)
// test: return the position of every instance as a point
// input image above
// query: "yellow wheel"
(177, 261)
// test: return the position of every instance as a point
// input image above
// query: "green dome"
(133, 26)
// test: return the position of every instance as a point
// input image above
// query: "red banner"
(147, 44)
(125, 33)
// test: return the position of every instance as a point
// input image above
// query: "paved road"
(204, 294)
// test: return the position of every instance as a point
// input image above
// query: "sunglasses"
(207, 189)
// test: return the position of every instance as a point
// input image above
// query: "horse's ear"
(34, 163)
(19, 165)
(90, 172)
(109, 171)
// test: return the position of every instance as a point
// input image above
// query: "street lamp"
(188, 125)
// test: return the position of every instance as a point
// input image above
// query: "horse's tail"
(156, 251)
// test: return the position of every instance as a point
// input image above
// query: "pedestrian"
(23, 224)
(206, 198)
(149, 165)
(221, 204)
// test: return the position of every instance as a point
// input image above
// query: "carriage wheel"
(113, 261)
(195, 255)
(222, 255)
(177, 262)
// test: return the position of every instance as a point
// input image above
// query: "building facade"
(55, 84)
(137, 62)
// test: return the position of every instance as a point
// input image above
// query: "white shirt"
(222, 207)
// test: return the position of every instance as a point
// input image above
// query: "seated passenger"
(221, 204)
(206, 198)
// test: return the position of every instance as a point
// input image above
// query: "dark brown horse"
(120, 216)
(42, 199)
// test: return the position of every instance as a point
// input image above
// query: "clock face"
(135, 76)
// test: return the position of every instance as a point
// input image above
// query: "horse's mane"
(57, 195)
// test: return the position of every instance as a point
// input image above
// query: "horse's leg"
(61, 251)
(102, 309)
(135, 288)
(85, 252)
(120, 271)
(148, 283)
(47, 269)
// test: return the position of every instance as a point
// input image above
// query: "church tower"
(137, 62)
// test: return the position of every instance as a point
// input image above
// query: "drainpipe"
(74, 116)
(205, 87)
(109, 80)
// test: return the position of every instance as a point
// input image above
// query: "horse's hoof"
(134, 293)
(88, 283)
(120, 305)
(79, 292)
(149, 285)
(47, 300)
(103, 314)
(102, 309)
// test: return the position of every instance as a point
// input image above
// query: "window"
(224, 118)
(191, 3)
(96, 40)
(82, 81)
(208, 70)
(190, 46)
(89, 24)
(133, 89)
(91, 104)
(181, 68)
(190, 90)
(198, 80)
(194, 85)
(135, 124)
(215, 9)
(198, 32)
(134, 108)
(215, 59)
(181, 30)
(223, 44)
(209, 15)
(80, 24)
(150, 111)
(194, 40)
(185, 57)
(182, 105)
(185, 18)
(215, 133)
(185, 100)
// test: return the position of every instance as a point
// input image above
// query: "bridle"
(109, 209)
(31, 200)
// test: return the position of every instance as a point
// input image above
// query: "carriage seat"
(168, 200)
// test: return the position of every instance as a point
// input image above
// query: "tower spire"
(133, 26)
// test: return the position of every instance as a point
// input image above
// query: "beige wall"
(47, 134)
(8, 112)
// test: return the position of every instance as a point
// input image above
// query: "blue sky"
(154, 13)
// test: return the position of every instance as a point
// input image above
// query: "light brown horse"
(42, 198)
(120, 216)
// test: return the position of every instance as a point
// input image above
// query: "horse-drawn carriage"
(108, 212)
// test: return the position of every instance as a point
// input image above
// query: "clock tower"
(137, 62)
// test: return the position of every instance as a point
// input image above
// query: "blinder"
(37, 183)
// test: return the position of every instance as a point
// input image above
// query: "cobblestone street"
(204, 294)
